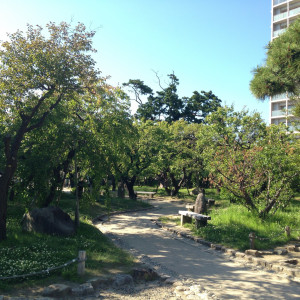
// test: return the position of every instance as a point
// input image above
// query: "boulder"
(49, 220)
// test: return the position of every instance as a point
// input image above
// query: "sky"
(209, 45)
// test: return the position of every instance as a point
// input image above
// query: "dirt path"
(181, 258)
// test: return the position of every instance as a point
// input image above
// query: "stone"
(170, 281)
(180, 288)
(291, 261)
(230, 251)
(280, 251)
(100, 282)
(277, 268)
(144, 274)
(57, 290)
(261, 262)
(177, 283)
(122, 280)
(291, 248)
(253, 253)
(201, 203)
(239, 254)
(83, 290)
(49, 220)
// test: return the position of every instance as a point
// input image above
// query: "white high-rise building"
(284, 13)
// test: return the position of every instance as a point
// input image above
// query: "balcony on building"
(278, 109)
(280, 13)
(294, 11)
(279, 28)
(278, 121)
(277, 2)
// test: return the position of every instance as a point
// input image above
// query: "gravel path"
(197, 267)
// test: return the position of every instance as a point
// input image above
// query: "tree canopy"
(281, 71)
(39, 75)
(256, 164)
(167, 105)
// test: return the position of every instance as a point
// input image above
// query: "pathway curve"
(178, 257)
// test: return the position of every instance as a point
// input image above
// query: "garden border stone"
(251, 256)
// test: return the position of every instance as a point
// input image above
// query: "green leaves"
(255, 163)
(281, 71)
(167, 105)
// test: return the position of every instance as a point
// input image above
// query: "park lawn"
(24, 253)
(231, 224)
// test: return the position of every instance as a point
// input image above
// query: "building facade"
(284, 13)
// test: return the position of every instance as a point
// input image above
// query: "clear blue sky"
(210, 45)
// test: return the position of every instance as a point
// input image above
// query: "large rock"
(49, 220)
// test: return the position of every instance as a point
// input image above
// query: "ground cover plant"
(231, 224)
(24, 253)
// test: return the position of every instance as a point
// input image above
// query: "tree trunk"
(129, 185)
(11, 153)
(113, 182)
(3, 207)
(121, 191)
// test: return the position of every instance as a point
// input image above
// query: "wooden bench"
(186, 216)
(146, 193)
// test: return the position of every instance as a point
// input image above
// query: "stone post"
(252, 240)
(81, 263)
(288, 231)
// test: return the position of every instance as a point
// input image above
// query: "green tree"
(167, 105)
(38, 75)
(177, 160)
(255, 163)
(134, 150)
(281, 72)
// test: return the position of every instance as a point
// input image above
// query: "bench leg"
(184, 219)
(201, 223)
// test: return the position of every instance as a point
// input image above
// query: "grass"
(231, 224)
(24, 253)
(184, 193)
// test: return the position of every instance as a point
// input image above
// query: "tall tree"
(38, 75)
(281, 71)
(167, 105)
